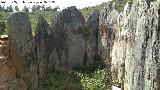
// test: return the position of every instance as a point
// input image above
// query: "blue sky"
(61, 3)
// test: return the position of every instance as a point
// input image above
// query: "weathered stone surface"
(22, 47)
(136, 46)
(129, 43)
(119, 49)
(92, 42)
(41, 37)
(107, 22)
(106, 34)
(7, 71)
(66, 42)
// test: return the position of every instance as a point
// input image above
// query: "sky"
(61, 3)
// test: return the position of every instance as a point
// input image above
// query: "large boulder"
(22, 47)
(66, 43)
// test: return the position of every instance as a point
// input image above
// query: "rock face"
(66, 43)
(41, 37)
(8, 75)
(22, 47)
(119, 50)
(61, 47)
(129, 44)
(92, 42)
(136, 47)
(107, 22)
(106, 34)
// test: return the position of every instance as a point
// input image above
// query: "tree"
(9, 8)
(2, 24)
(55, 9)
(49, 8)
(2, 8)
(43, 8)
(25, 9)
(36, 8)
(16, 8)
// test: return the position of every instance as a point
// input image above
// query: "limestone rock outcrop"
(128, 43)
(22, 48)
(92, 42)
(107, 22)
(41, 38)
(66, 43)
(119, 50)
(136, 47)
(7, 71)
(106, 35)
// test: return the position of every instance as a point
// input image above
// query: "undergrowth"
(85, 77)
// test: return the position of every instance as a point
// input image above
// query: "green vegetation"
(47, 12)
(75, 81)
(59, 81)
(3, 16)
(2, 27)
(94, 81)
(94, 76)
(89, 10)
(48, 15)
(120, 4)
(87, 77)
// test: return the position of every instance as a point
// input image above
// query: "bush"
(94, 76)
(94, 81)
(52, 82)
(86, 77)
(2, 27)
(2, 24)
(59, 81)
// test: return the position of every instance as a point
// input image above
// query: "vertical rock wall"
(8, 74)
(129, 44)
(22, 47)
(92, 42)
(41, 39)
(119, 48)
(66, 45)
(137, 46)
(107, 22)
(106, 34)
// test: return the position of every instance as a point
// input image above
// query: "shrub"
(52, 82)
(2, 27)
(59, 81)
(94, 81)
(2, 24)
